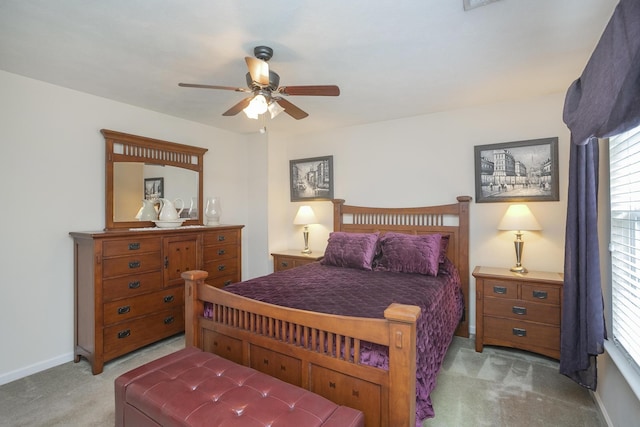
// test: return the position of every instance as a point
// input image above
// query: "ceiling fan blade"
(238, 107)
(259, 70)
(236, 89)
(322, 90)
(291, 109)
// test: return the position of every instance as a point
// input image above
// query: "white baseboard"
(35, 368)
(602, 408)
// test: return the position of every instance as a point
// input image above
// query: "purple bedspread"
(360, 293)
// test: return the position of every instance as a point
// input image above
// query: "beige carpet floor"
(497, 387)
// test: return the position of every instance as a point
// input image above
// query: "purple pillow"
(353, 250)
(408, 253)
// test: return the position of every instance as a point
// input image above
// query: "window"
(624, 164)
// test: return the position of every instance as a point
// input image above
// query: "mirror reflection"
(134, 182)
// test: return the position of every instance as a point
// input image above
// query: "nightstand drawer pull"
(221, 251)
(168, 298)
(168, 320)
(134, 246)
(221, 267)
(227, 282)
(124, 334)
(540, 294)
(124, 309)
(134, 285)
(284, 264)
(134, 264)
(499, 290)
(519, 310)
(519, 332)
(221, 238)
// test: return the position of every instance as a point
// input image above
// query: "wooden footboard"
(316, 351)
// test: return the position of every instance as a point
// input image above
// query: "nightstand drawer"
(522, 310)
(541, 293)
(501, 289)
(521, 334)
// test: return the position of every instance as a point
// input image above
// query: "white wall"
(428, 160)
(52, 181)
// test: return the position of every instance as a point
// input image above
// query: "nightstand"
(284, 260)
(518, 310)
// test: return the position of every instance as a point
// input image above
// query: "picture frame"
(311, 179)
(153, 188)
(519, 171)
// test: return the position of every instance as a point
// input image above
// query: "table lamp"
(519, 218)
(305, 216)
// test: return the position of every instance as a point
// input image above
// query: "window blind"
(624, 163)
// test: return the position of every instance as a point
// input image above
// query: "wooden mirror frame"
(152, 151)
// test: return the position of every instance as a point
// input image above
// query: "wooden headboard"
(451, 220)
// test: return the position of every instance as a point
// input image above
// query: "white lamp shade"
(519, 218)
(305, 216)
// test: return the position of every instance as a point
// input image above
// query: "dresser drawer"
(130, 246)
(500, 289)
(219, 268)
(128, 265)
(125, 309)
(524, 335)
(128, 286)
(219, 252)
(221, 281)
(221, 237)
(124, 337)
(522, 310)
(541, 293)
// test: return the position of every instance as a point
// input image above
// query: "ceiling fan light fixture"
(275, 109)
(257, 106)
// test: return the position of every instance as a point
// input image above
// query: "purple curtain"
(603, 102)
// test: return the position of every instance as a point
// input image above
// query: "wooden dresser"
(284, 260)
(128, 289)
(518, 310)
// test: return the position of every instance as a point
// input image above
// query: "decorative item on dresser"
(518, 310)
(284, 260)
(128, 289)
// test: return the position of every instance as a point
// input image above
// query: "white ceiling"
(391, 58)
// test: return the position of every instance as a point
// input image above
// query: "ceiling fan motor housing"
(274, 81)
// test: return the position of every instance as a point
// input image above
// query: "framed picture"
(311, 179)
(520, 171)
(153, 188)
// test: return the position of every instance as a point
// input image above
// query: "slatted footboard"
(316, 351)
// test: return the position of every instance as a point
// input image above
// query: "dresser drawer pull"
(168, 298)
(519, 332)
(168, 320)
(134, 285)
(221, 251)
(124, 309)
(134, 246)
(124, 334)
(499, 290)
(540, 294)
(227, 282)
(221, 267)
(221, 238)
(284, 264)
(134, 264)
(519, 310)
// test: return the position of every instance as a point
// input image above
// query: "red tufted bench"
(194, 388)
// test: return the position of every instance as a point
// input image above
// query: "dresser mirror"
(139, 168)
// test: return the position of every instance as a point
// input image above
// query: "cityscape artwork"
(311, 179)
(520, 171)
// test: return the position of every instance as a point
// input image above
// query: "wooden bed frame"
(321, 352)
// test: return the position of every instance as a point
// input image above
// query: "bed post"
(337, 214)
(402, 363)
(463, 264)
(193, 308)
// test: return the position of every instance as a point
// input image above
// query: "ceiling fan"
(266, 92)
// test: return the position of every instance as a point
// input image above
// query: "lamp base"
(520, 269)
(306, 251)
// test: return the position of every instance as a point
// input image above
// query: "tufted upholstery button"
(194, 388)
